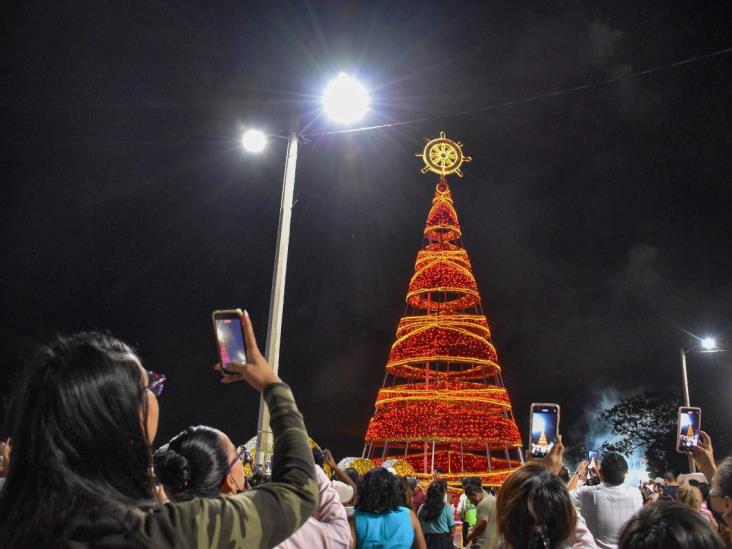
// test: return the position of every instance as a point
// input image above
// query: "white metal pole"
(277, 298)
(687, 401)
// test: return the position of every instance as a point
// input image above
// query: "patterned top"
(259, 518)
(606, 509)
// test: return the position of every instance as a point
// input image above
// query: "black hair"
(473, 486)
(402, 488)
(669, 476)
(353, 475)
(318, 456)
(670, 525)
(80, 446)
(614, 468)
(434, 502)
(564, 474)
(193, 464)
(378, 492)
(724, 477)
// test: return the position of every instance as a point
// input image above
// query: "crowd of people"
(80, 471)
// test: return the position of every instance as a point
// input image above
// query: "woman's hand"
(330, 460)
(704, 456)
(554, 460)
(256, 371)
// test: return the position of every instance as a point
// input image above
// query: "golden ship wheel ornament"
(443, 156)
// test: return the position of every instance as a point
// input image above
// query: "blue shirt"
(444, 523)
(385, 531)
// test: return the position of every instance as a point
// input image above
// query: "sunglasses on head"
(155, 382)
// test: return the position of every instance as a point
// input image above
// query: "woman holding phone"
(83, 420)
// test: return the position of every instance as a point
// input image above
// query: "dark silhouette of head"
(669, 525)
(379, 492)
(614, 468)
(353, 474)
(78, 420)
(534, 508)
(193, 464)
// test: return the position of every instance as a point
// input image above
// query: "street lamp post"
(345, 101)
(706, 345)
(277, 297)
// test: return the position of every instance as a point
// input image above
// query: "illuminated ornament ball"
(399, 467)
(443, 156)
(361, 465)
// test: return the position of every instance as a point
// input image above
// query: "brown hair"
(534, 509)
(691, 496)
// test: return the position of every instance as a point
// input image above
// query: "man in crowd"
(607, 506)
(484, 535)
(465, 509)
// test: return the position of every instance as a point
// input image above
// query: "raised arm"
(704, 456)
(270, 513)
(340, 474)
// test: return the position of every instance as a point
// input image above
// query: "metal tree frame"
(443, 403)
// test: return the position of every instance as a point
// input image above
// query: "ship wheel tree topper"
(443, 405)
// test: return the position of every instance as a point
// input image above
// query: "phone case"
(223, 313)
(678, 426)
(531, 415)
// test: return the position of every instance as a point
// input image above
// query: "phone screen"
(689, 425)
(231, 340)
(592, 455)
(544, 428)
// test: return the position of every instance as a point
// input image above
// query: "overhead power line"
(527, 99)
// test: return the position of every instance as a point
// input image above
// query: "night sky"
(597, 221)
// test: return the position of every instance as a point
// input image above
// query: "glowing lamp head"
(345, 100)
(709, 343)
(254, 141)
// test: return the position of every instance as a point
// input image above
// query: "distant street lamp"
(345, 101)
(254, 141)
(705, 345)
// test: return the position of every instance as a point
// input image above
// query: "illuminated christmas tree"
(443, 404)
(542, 439)
(690, 432)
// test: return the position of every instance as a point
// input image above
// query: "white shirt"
(462, 505)
(606, 509)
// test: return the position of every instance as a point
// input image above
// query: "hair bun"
(173, 470)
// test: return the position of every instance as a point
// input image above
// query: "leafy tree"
(646, 420)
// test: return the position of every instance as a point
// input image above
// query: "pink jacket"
(328, 527)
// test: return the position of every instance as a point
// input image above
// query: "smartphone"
(687, 429)
(229, 334)
(544, 428)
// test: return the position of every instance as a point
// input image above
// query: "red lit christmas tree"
(443, 404)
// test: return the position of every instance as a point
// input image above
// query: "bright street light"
(345, 100)
(709, 343)
(254, 141)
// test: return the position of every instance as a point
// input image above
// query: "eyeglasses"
(155, 382)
